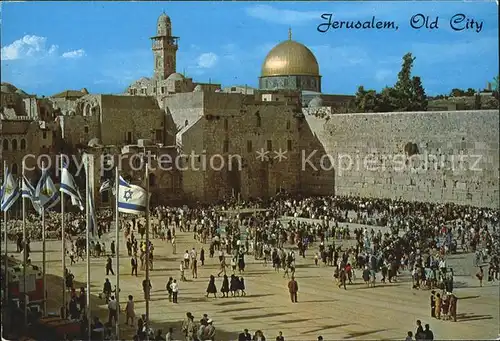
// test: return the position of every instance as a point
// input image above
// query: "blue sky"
(104, 46)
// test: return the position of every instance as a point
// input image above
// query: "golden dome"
(290, 58)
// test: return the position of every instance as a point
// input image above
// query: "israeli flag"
(46, 192)
(131, 198)
(68, 187)
(10, 191)
(28, 192)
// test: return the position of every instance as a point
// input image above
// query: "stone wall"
(185, 108)
(234, 127)
(456, 155)
(77, 130)
(20, 138)
(136, 116)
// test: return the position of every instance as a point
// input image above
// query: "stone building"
(166, 80)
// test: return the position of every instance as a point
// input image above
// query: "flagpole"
(25, 247)
(117, 247)
(6, 260)
(44, 268)
(87, 232)
(148, 294)
(63, 252)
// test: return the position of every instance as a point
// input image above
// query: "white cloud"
(32, 47)
(207, 60)
(339, 57)
(74, 54)
(269, 13)
(29, 46)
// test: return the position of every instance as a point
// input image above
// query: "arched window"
(14, 144)
(14, 169)
(5, 144)
(23, 144)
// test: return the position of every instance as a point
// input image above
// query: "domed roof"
(175, 77)
(290, 58)
(163, 18)
(8, 88)
(316, 102)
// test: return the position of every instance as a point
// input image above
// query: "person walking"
(129, 310)
(146, 288)
(112, 310)
(109, 266)
(293, 289)
(433, 303)
(453, 307)
(169, 288)
(225, 286)
(438, 306)
(212, 289)
(428, 334)
(175, 291)
(480, 276)
(134, 265)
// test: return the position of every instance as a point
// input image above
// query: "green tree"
(408, 94)
(419, 100)
(470, 92)
(494, 83)
(457, 93)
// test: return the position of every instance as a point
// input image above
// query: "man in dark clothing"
(146, 288)
(133, 263)
(419, 333)
(433, 304)
(109, 266)
(428, 334)
(293, 289)
(245, 336)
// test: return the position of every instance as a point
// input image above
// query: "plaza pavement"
(358, 313)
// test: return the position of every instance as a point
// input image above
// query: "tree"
(408, 94)
(457, 93)
(470, 92)
(419, 102)
(494, 84)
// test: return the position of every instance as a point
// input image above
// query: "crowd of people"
(417, 239)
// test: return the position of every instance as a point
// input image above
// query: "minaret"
(164, 48)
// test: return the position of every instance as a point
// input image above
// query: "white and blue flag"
(131, 198)
(10, 191)
(68, 187)
(46, 192)
(28, 192)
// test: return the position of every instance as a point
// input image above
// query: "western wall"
(450, 156)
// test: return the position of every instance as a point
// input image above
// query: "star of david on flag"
(131, 198)
(28, 192)
(46, 192)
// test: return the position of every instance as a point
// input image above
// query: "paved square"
(387, 311)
